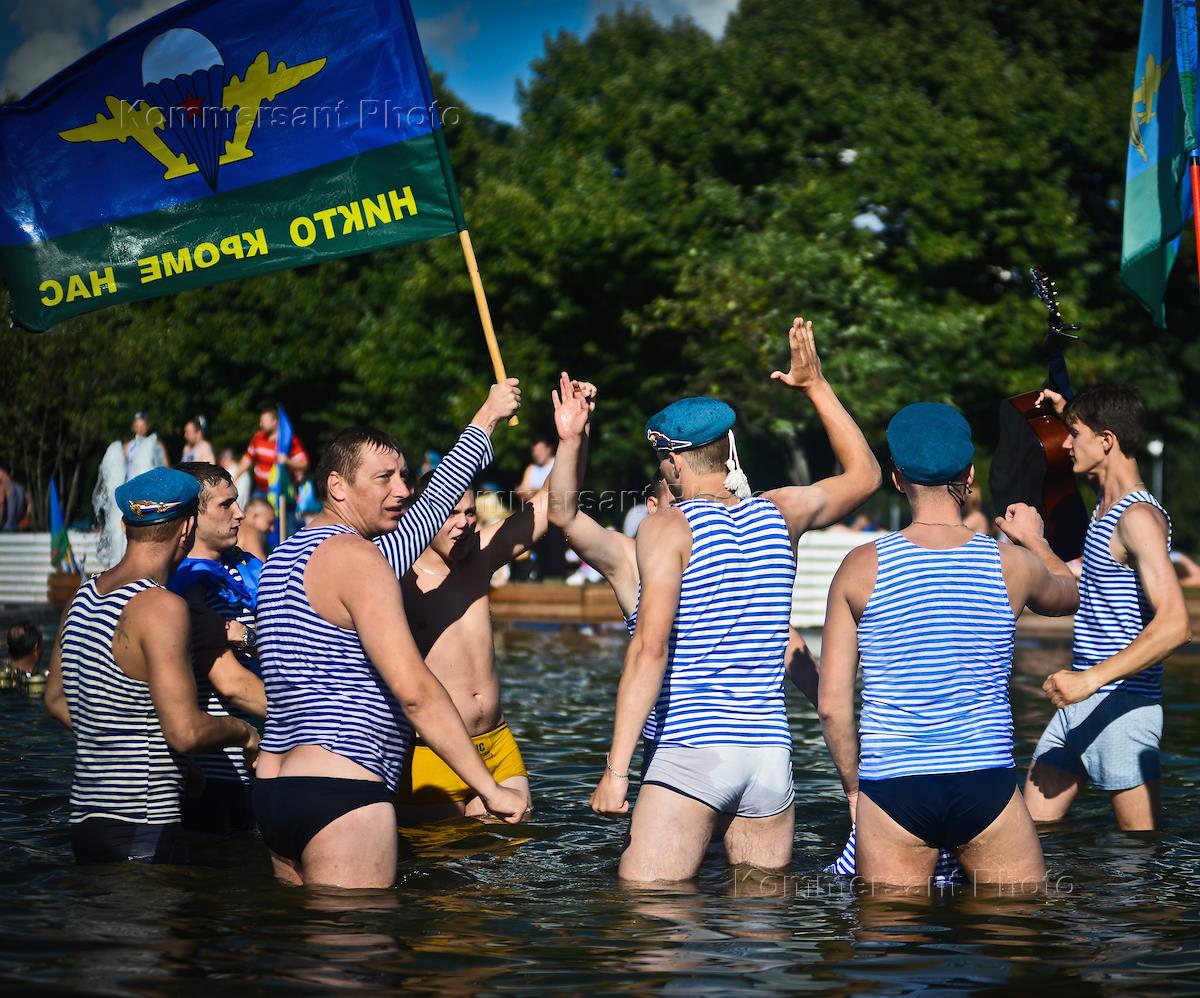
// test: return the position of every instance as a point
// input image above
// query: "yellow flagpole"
(485, 315)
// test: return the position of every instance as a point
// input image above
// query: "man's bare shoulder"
(156, 602)
(855, 577)
(1142, 519)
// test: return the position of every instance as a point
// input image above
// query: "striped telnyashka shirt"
(429, 513)
(124, 768)
(936, 645)
(321, 688)
(1113, 609)
(229, 764)
(724, 679)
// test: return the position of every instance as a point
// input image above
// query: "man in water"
(446, 599)
(121, 679)
(24, 641)
(703, 678)
(220, 583)
(345, 682)
(1132, 615)
(931, 612)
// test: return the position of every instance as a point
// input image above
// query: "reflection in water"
(495, 908)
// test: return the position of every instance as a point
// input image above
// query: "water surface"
(488, 908)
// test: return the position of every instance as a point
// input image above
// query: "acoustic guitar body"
(1061, 504)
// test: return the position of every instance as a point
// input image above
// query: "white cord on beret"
(736, 481)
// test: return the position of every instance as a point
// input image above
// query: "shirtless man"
(345, 681)
(446, 599)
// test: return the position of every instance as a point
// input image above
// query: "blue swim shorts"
(1110, 738)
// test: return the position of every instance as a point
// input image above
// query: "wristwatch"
(249, 639)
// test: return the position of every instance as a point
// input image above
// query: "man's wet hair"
(1117, 408)
(345, 451)
(210, 477)
(23, 638)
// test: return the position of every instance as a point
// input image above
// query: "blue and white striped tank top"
(724, 679)
(1113, 609)
(321, 688)
(936, 645)
(124, 768)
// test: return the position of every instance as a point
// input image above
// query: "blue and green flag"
(218, 140)
(61, 556)
(1157, 186)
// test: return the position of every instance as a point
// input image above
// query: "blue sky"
(482, 46)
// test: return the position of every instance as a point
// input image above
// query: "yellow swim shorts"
(427, 780)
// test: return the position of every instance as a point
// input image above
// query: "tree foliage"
(666, 205)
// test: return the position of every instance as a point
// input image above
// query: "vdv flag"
(1187, 48)
(1157, 186)
(218, 140)
(278, 479)
(61, 556)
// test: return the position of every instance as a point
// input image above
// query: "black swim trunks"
(944, 810)
(107, 840)
(290, 810)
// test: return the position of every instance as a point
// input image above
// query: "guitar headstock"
(1044, 288)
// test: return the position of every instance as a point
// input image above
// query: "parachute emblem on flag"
(191, 99)
(1144, 94)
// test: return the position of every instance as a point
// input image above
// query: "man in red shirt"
(262, 453)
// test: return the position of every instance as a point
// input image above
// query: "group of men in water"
(362, 649)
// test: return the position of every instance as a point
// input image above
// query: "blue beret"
(157, 495)
(689, 423)
(930, 443)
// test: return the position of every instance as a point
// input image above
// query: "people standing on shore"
(1132, 615)
(930, 611)
(703, 677)
(195, 442)
(121, 679)
(15, 505)
(345, 682)
(262, 452)
(220, 583)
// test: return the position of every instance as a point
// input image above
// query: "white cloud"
(38, 59)
(123, 20)
(445, 35)
(60, 16)
(711, 15)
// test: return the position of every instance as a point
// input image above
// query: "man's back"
(124, 768)
(724, 677)
(936, 642)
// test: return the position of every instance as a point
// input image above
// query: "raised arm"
(610, 553)
(1041, 580)
(1142, 531)
(663, 549)
(839, 669)
(158, 623)
(452, 478)
(830, 500)
(363, 583)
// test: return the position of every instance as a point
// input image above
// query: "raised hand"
(571, 408)
(588, 391)
(805, 372)
(502, 402)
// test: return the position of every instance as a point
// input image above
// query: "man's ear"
(971, 475)
(1109, 441)
(335, 487)
(897, 481)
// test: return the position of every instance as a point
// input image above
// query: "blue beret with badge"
(930, 443)
(688, 423)
(157, 495)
